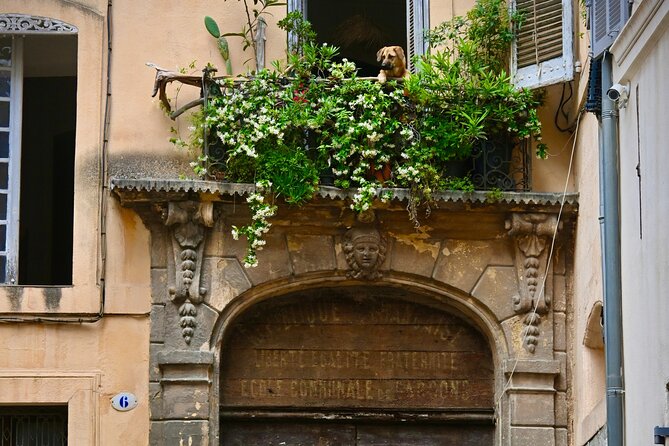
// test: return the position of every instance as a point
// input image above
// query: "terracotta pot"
(382, 174)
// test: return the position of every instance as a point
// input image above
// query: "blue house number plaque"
(124, 401)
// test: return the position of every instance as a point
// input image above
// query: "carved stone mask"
(365, 251)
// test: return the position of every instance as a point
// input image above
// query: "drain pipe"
(610, 234)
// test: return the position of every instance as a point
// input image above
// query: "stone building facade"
(350, 326)
(480, 264)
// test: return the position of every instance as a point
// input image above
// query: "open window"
(543, 51)
(360, 29)
(38, 84)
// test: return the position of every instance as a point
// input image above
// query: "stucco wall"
(589, 412)
(113, 354)
(83, 364)
(640, 61)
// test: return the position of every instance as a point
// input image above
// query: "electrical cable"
(560, 108)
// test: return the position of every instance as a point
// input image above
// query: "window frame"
(553, 71)
(17, 26)
(417, 22)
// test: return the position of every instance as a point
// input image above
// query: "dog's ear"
(400, 53)
(379, 54)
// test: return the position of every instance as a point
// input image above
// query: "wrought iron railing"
(502, 165)
(33, 426)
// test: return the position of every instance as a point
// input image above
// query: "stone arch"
(440, 293)
(419, 291)
(480, 271)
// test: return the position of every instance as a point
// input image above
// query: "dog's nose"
(386, 65)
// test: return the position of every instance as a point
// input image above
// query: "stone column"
(186, 380)
(182, 363)
(529, 402)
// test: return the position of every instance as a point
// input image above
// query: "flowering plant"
(288, 126)
(260, 212)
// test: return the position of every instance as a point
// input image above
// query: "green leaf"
(212, 27)
(234, 34)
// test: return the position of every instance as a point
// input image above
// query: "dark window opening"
(47, 160)
(360, 29)
(33, 426)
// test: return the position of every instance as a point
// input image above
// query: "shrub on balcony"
(283, 128)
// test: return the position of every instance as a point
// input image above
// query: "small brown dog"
(393, 63)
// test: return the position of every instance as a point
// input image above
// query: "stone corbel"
(533, 234)
(188, 220)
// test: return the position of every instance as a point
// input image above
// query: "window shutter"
(301, 7)
(417, 23)
(542, 52)
(607, 18)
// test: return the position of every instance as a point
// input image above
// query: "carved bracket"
(532, 233)
(188, 220)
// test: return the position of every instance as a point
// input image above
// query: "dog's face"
(392, 58)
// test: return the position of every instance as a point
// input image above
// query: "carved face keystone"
(366, 254)
(365, 251)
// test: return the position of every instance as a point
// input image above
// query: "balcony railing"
(493, 165)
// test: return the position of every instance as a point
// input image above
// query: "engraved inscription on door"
(350, 351)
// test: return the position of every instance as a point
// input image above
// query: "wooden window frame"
(553, 71)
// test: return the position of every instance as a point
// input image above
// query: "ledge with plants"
(313, 121)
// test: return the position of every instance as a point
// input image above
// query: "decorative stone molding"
(188, 220)
(532, 233)
(365, 250)
(27, 24)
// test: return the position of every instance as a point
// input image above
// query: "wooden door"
(355, 366)
(272, 433)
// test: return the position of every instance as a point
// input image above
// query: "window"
(543, 51)
(360, 29)
(28, 425)
(38, 83)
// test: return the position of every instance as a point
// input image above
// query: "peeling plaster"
(417, 241)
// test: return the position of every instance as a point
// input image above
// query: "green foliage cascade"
(284, 128)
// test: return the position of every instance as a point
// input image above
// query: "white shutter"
(607, 17)
(301, 7)
(417, 22)
(543, 51)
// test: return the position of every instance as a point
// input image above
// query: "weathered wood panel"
(421, 337)
(331, 434)
(342, 393)
(286, 434)
(384, 364)
(445, 435)
(345, 350)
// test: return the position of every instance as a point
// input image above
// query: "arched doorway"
(355, 366)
